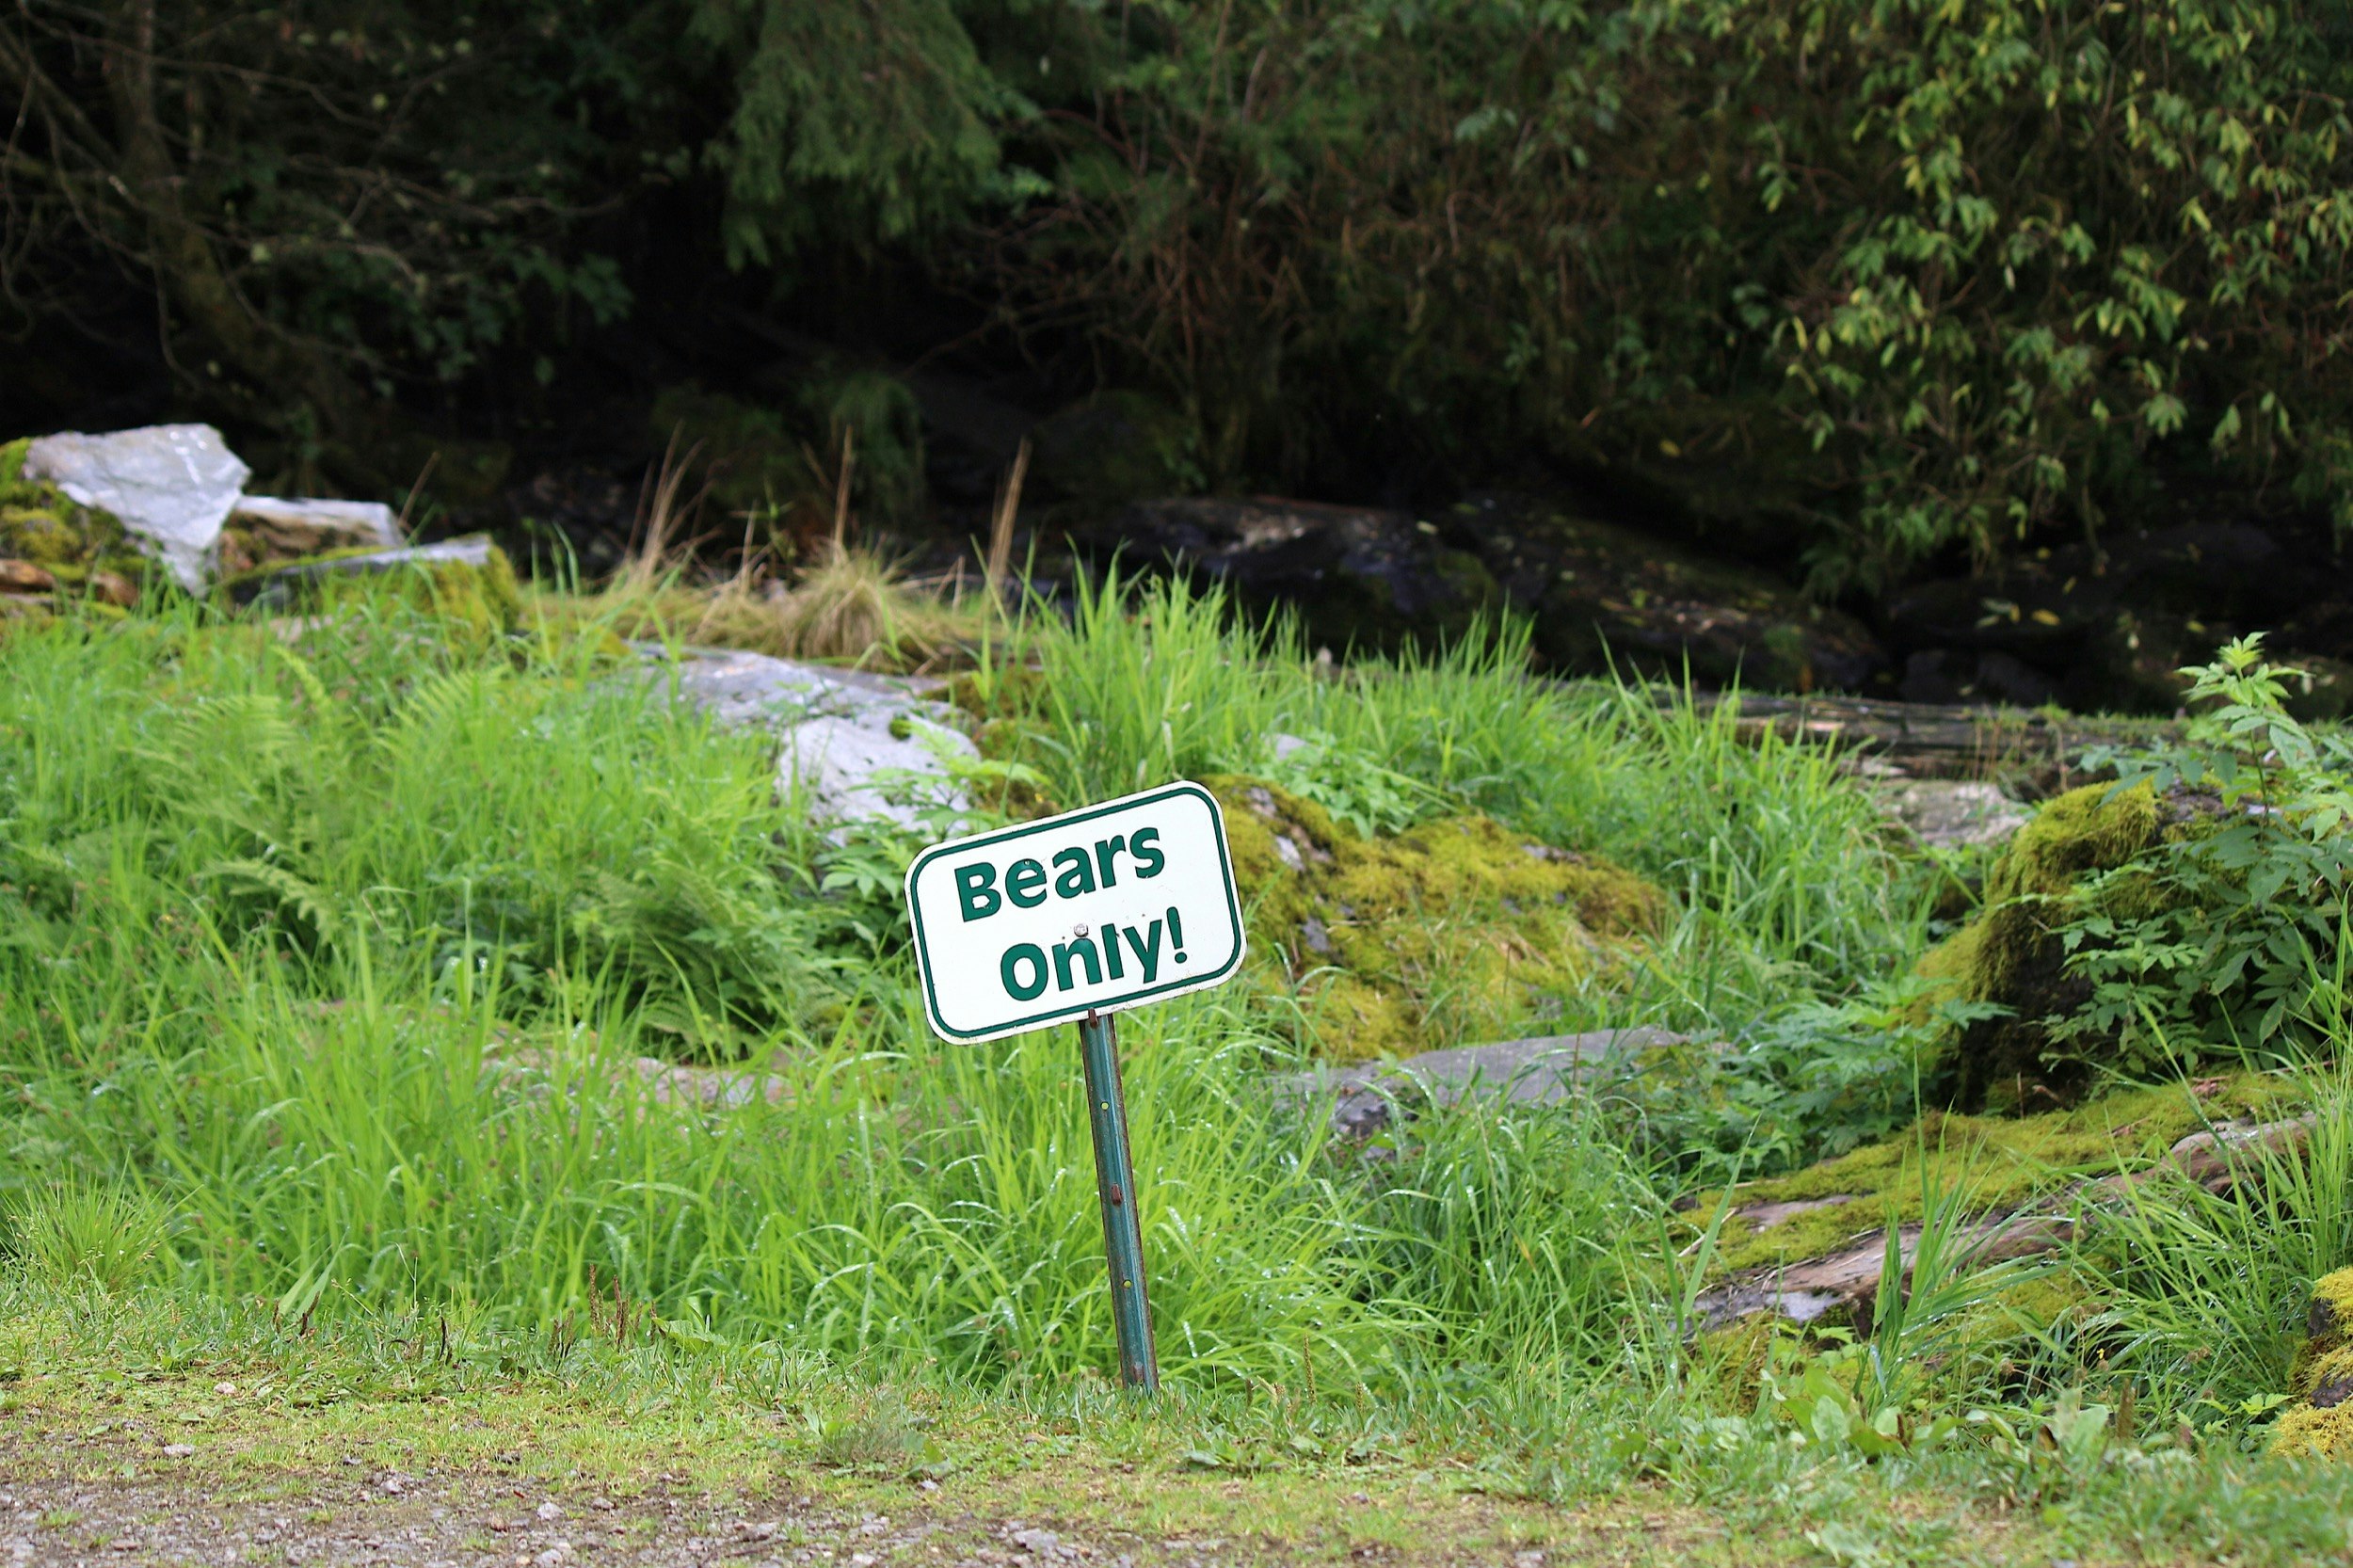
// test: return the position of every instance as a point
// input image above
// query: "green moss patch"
(2010, 955)
(2320, 1424)
(1456, 929)
(2001, 1162)
(82, 547)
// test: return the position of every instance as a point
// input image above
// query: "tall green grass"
(371, 786)
(345, 953)
(333, 969)
(1781, 866)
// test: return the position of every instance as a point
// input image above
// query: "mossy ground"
(1455, 930)
(2000, 1163)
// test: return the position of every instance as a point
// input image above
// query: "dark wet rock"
(1357, 576)
(2106, 626)
(592, 510)
(1602, 595)
(2321, 688)
(1947, 674)
(1545, 1070)
(2007, 679)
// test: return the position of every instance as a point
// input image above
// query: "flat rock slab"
(307, 525)
(1952, 813)
(170, 486)
(860, 746)
(280, 587)
(1546, 1069)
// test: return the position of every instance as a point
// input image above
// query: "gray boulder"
(859, 746)
(1545, 1070)
(170, 486)
(1951, 813)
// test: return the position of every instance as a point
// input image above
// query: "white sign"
(1124, 902)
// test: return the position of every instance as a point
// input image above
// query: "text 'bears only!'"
(1085, 912)
(1024, 969)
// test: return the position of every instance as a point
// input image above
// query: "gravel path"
(394, 1518)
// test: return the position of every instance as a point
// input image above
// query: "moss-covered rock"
(2320, 1424)
(470, 584)
(2001, 1162)
(1454, 930)
(84, 548)
(2011, 955)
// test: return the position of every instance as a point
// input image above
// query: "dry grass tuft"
(851, 605)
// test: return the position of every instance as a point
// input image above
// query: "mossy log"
(1839, 1283)
(1841, 1286)
(2035, 752)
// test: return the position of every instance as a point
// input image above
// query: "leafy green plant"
(1356, 789)
(2054, 1447)
(1813, 1394)
(2213, 938)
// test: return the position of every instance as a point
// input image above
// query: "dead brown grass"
(848, 605)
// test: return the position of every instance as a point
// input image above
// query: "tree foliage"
(1960, 266)
(1913, 277)
(862, 119)
(327, 200)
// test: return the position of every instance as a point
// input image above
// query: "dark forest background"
(1871, 291)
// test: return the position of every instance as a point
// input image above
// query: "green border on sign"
(1005, 835)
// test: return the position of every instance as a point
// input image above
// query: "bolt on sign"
(1077, 916)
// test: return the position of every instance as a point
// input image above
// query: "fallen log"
(1845, 1283)
(2035, 751)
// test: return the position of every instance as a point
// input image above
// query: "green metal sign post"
(1115, 1188)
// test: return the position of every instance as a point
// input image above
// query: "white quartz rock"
(170, 486)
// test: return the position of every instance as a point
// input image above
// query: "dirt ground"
(384, 1516)
(131, 1493)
